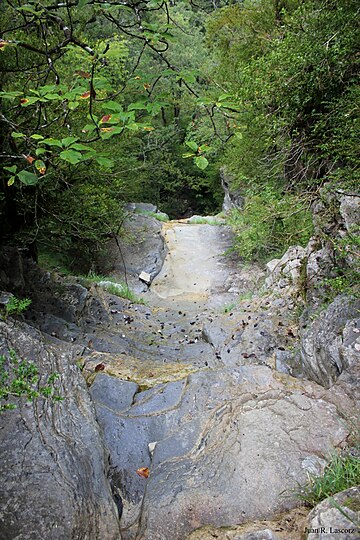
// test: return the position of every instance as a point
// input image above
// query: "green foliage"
(20, 378)
(122, 290)
(16, 306)
(269, 223)
(291, 73)
(342, 472)
(228, 308)
(112, 286)
(207, 220)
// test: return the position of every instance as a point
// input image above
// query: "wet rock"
(53, 465)
(323, 352)
(336, 517)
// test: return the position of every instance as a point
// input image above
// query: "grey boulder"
(53, 465)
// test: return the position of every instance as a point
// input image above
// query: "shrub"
(270, 223)
(21, 378)
(16, 306)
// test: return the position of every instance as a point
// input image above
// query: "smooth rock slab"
(229, 449)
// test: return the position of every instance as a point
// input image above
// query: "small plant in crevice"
(228, 308)
(123, 291)
(21, 378)
(15, 306)
(341, 472)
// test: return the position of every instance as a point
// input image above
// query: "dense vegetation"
(103, 102)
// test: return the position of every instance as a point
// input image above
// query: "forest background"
(104, 102)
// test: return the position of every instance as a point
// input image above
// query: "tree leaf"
(28, 178)
(104, 162)
(192, 145)
(138, 105)
(80, 147)
(36, 137)
(201, 162)
(11, 169)
(11, 181)
(16, 135)
(67, 141)
(52, 142)
(40, 166)
(71, 156)
(112, 106)
(11, 95)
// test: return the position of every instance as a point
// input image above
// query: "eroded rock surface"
(230, 447)
(336, 517)
(53, 464)
(196, 386)
(325, 354)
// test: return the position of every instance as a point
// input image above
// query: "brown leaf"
(143, 472)
(105, 118)
(3, 43)
(83, 74)
(23, 100)
(146, 86)
(85, 95)
(29, 159)
(100, 367)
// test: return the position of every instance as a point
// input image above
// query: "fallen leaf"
(85, 95)
(29, 159)
(100, 367)
(143, 472)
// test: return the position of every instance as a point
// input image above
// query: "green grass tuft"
(342, 472)
(123, 291)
